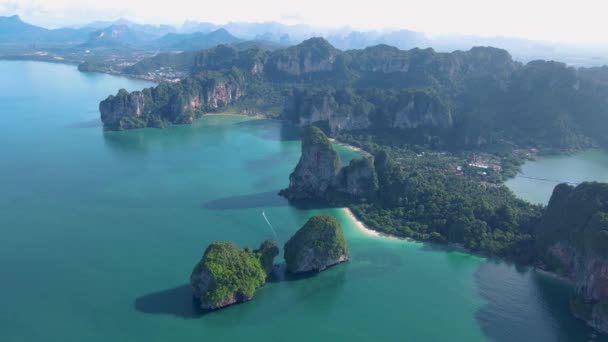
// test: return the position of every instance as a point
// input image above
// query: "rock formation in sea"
(169, 103)
(319, 174)
(317, 169)
(573, 241)
(320, 243)
(227, 274)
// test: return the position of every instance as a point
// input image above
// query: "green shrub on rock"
(320, 243)
(227, 274)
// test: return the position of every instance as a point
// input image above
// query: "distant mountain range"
(196, 40)
(345, 39)
(120, 34)
(15, 32)
(124, 34)
(156, 30)
(128, 37)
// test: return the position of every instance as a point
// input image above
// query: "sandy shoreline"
(350, 147)
(360, 225)
(362, 228)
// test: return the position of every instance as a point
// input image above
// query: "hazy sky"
(554, 20)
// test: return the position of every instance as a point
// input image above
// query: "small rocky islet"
(319, 244)
(228, 275)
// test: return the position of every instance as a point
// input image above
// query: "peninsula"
(568, 237)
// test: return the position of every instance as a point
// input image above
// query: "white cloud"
(555, 20)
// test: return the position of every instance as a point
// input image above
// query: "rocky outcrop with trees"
(319, 244)
(227, 274)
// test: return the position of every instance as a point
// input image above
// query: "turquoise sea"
(537, 178)
(100, 231)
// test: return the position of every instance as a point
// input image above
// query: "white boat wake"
(276, 237)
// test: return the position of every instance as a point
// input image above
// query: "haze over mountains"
(124, 34)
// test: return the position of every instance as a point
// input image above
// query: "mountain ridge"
(465, 98)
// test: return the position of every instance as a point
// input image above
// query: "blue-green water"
(100, 231)
(537, 178)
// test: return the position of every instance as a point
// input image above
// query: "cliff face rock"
(313, 55)
(319, 176)
(382, 58)
(227, 275)
(303, 64)
(168, 103)
(317, 169)
(257, 68)
(573, 241)
(359, 179)
(221, 95)
(320, 243)
(421, 109)
(325, 109)
(589, 272)
(345, 110)
(113, 109)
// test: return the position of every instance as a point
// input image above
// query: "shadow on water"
(446, 248)
(526, 306)
(180, 302)
(308, 287)
(139, 141)
(273, 129)
(93, 123)
(261, 200)
(263, 163)
(132, 142)
(177, 301)
(280, 274)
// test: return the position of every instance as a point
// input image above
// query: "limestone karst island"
(321, 171)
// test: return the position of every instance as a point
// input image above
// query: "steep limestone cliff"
(573, 241)
(345, 110)
(331, 106)
(317, 169)
(358, 180)
(421, 109)
(312, 56)
(113, 110)
(319, 175)
(169, 103)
